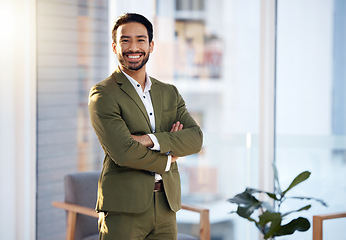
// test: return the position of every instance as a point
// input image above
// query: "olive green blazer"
(127, 179)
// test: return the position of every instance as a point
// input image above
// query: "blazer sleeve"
(114, 136)
(185, 142)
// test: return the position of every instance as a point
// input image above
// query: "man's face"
(132, 46)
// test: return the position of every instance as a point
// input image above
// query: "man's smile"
(133, 60)
(133, 56)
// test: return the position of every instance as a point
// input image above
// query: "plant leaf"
(307, 207)
(243, 199)
(298, 179)
(247, 204)
(310, 198)
(274, 221)
(253, 190)
(246, 212)
(299, 224)
(272, 195)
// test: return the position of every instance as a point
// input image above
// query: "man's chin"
(134, 67)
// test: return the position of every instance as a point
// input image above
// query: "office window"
(311, 105)
(72, 56)
(190, 5)
(212, 56)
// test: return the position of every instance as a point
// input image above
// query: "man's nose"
(133, 46)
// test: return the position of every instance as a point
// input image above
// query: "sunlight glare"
(7, 24)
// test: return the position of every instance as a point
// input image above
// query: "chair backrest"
(81, 189)
(317, 227)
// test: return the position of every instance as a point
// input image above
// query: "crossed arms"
(146, 141)
(125, 149)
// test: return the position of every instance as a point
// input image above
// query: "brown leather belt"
(158, 186)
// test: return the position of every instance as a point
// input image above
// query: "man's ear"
(114, 46)
(151, 46)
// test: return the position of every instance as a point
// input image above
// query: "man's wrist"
(155, 142)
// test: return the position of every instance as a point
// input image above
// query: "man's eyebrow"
(138, 36)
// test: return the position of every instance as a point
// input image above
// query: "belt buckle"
(159, 186)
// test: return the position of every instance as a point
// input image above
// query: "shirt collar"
(134, 83)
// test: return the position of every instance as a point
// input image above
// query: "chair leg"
(71, 225)
(204, 226)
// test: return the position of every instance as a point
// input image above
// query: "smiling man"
(143, 127)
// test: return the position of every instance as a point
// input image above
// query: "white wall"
(17, 119)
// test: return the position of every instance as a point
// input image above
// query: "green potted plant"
(270, 219)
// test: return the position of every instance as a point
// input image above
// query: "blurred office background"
(265, 79)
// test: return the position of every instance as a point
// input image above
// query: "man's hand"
(144, 140)
(176, 127)
(174, 159)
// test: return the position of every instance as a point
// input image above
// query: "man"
(143, 127)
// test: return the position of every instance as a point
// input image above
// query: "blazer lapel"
(156, 99)
(127, 87)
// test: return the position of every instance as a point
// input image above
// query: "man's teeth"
(133, 56)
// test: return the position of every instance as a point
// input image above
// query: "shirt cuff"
(168, 166)
(156, 146)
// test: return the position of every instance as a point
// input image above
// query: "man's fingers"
(180, 127)
(176, 127)
(173, 127)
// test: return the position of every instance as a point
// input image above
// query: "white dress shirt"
(146, 99)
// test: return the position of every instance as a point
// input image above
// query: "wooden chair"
(317, 224)
(80, 200)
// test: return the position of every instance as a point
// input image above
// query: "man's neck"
(138, 75)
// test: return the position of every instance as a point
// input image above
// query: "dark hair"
(132, 17)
